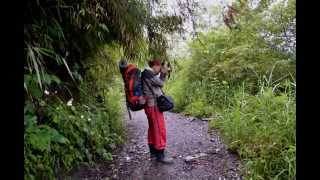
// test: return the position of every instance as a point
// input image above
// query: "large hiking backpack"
(133, 88)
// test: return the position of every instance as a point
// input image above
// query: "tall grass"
(259, 126)
(262, 129)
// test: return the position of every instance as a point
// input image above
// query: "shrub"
(198, 108)
(59, 134)
(262, 129)
(70, 135)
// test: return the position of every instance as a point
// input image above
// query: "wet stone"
(194, 157)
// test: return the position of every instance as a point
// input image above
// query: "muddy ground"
(187, 137)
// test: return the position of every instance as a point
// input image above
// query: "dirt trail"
(185, 136)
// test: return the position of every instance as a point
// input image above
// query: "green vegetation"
(243, 75)
(73, 90)
(60, 134)
(245, 78)
(262, 129)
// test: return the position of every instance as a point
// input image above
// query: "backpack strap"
(148, 87)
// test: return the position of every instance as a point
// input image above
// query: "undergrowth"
(261, 128)
(245, 83)
(87, 127)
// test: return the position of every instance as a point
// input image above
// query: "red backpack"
(132, 84)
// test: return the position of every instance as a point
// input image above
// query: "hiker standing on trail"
(153, 78)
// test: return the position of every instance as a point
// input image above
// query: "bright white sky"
(208, 16)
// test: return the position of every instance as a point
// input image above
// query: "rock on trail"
(198, 154)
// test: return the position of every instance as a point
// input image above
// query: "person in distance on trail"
(153, 78)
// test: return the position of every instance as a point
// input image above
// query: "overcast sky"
(205, 15)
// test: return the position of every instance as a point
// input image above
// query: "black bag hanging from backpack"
(165, 103)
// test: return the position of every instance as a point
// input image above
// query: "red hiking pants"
(157, 127)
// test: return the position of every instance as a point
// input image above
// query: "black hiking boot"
(161, 157)
(153, 152)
